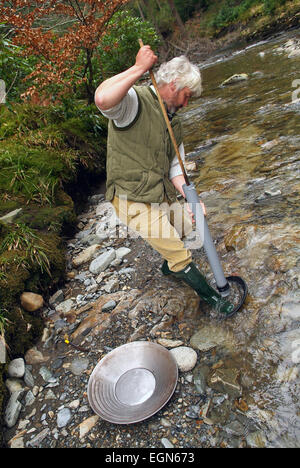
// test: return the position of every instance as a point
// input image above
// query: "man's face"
(178, 99)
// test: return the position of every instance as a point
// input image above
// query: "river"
(245, 141)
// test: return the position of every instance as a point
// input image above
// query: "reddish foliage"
(84, 23)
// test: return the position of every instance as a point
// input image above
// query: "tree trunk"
(141, 11)
(177, 16)
(151, 14)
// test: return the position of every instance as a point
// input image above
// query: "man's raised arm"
(113, 90)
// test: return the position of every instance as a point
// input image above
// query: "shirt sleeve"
(124, 113)
(175, 169)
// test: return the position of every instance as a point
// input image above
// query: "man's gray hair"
(182, 72)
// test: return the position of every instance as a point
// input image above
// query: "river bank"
(50, 157)
(203, 40)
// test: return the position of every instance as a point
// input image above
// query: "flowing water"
(245, 141)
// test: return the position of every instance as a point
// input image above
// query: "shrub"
(120, 45)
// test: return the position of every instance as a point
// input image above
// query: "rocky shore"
(116, 294)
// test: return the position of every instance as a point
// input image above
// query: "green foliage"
(119, 47)
(24, 239)
(231, 11)
(13, 66)
(41, 149)
(271, 5)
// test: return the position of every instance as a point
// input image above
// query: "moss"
(48, 158)
(59, 218)
(13, 283)
(24, 327)
(3, 230)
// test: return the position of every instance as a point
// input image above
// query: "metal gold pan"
(132, 382)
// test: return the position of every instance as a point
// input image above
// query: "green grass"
(41, 150)
(27, 240)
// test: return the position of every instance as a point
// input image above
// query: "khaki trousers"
(161, 225)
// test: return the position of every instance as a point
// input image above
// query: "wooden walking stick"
(167, 122)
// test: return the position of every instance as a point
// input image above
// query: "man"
(143, 173)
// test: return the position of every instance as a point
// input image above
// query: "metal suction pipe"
(192, 198)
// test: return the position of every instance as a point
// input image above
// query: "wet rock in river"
(226, 381)
(210, 336)
(256, 440)
(238, 237)
(201, 373)
(235, 79)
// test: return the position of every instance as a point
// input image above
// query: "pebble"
(13, 385)
(34, 356)
(31, 301)
(28, 378)
(122, 252)
(78, 366)
(13, 409)
(29, 398)
(102, 261)
(64, 416)
(109, 305)
(16, 368)
(185, 357)
(56, 298)
(64, 307)
(166, 443)
(169, 343)
(46, 374)
(87, 425)
(38, 439)
(85, 256)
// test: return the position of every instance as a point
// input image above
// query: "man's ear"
(173, 86)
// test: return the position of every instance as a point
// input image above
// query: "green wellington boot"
(192, 276)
